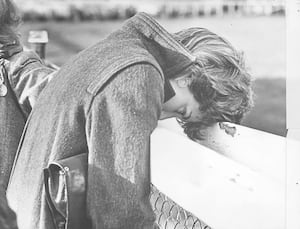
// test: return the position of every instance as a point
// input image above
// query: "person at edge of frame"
(107, 100)
(8, 219)
(23, 76)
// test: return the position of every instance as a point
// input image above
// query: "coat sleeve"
(28, 76)
(119, 124)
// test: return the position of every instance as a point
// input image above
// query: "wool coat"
(24, 76)
(106, 101)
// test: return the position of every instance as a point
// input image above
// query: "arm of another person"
(28, 76)
(119, 124)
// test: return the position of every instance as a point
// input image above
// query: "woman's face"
(183, 105)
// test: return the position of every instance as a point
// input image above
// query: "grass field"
(262, 40)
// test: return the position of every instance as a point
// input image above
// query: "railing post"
(38, 40)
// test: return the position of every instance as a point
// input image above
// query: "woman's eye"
(181, 113)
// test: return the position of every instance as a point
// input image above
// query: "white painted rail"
(293, 180)
(238, 182)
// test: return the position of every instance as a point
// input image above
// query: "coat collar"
(171, 54)
(140, 40)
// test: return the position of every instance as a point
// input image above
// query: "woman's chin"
(165, 115)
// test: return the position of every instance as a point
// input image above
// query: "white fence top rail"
(240, 185)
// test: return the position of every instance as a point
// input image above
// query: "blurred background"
(256, 27)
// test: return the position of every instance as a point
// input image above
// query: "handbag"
(65, 188)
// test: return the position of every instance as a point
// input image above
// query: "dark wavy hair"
(220, 81)
(9, 20)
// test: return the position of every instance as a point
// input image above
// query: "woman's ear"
(183, 81)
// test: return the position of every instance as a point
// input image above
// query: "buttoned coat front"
(106, 101)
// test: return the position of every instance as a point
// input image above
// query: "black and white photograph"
(149, 114)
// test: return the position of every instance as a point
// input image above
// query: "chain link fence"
(170, 215)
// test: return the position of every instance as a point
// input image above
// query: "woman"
(22, 77)
(107, 101)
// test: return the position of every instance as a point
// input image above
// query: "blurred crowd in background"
(78, 10)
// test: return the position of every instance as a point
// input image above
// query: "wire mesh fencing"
(169, 215)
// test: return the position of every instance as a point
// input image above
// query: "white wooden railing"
(229, 180)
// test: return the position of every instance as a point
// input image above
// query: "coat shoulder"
(24, 63)
(133, 62)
